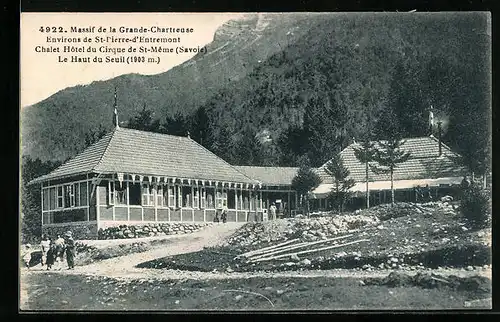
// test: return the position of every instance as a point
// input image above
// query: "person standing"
(51, 254)
(59, 244)
(26, 255)
(45, 244)
(70, 250)
(272, 211)
(224, 214)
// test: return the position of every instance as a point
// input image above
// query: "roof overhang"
(323, 190)
(46, 177)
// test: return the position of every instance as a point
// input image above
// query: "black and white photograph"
(326, 161)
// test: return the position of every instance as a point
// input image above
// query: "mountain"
(53, 128)
(320, 78)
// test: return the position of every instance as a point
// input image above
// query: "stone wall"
(150, 229)
(86, 230)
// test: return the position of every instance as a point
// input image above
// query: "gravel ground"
(123, 268)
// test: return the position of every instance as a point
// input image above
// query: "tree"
(292, 143)
(178, 124)
(305, 180)
(339, 172)
(92, 136)
(324, 121)
(200, 122)
(388, 155)
(221, 144)
(365, 153)
(144, 121)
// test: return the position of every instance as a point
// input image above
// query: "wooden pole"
(301, 245)
(310, 251)
(253, 252)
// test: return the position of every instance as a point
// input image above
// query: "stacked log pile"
(305, 230)
(151, 229)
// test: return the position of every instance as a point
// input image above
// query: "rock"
(238, 297)
(469, 268)
(294, 257)
(479, 303)
(380, 227)
(464, 228)
(362, 283)
(279, 292)
(305, 262)
(417, 226)
(177, 301)
(394, 260)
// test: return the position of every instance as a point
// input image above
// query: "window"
(203, 198)
(221, 198)
(210, 198)
(160, 198)
(52, 198)
(187, 197)
(111, 193)
(76, 196)
(148, 195)
(46, 199)
(171, 196)
(83, 193)
(246, 201)
(196, 197)
(121, 193)
(60, 197)
(231, 199)
(134, 191)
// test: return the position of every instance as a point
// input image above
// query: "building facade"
(432, 168)
(131, 177)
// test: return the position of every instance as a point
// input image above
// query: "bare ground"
(124, 268)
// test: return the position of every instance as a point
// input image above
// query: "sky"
(45, 73)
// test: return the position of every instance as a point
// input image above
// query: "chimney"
(188, 135)
(439, 138)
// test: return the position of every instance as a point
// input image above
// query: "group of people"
(223, 215)
(53, 251)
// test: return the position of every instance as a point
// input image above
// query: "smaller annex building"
(432, 165)
(276, 187)
(131, 177)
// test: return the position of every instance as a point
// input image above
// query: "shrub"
(475, 207)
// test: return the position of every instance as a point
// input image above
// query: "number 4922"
(51, 29)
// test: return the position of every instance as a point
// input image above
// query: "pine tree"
(365, 154)
(339, 172)
(305, 181)
(178, 124)
(200, 121)
(144, 121)
(93, 136)
(388, 155)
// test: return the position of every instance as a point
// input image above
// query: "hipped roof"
(150, 154)
(424, 163)
(270, 176)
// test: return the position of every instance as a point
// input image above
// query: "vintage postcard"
(255, 161)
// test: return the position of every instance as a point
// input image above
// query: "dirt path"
(124, 267)
(180, 244)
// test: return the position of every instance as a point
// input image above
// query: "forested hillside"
(301, 87)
